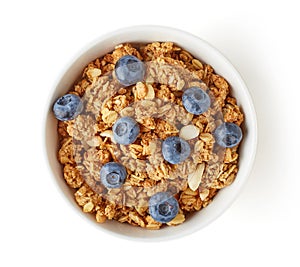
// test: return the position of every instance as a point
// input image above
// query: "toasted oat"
(197, 64)
(93, 73)
(66, 151)
(88, 207)
(128, 111)
(179, 219)
(109, 116)
(100, 218)
(72, 176)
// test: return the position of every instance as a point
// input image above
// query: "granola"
(87, 142)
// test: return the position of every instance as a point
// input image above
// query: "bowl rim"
(145, 28)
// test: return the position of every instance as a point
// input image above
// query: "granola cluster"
(87, 142)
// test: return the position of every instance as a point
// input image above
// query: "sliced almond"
(150, 93)
(194, 179)
(204, 194)
(109, 134)
(189, 132)
(180, 84)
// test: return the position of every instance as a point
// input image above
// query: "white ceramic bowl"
(205, 52)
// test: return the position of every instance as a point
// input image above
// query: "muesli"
(150, 136)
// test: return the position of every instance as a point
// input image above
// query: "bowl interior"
(200, 49)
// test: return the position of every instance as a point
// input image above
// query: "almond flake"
(204, 194)
(194, 179)
(109, 134)
(189, 132)
(150, 94)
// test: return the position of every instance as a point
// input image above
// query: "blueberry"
(113, 175)
(129, 70)
(67, 107)
(125, 130)
(163, 207)
(195, 100)
(228, 134)
(175, 149)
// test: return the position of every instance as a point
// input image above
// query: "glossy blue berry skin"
(125, 130)
(129, 70)
(228, 134)
(67, 107)
(195, 100)
(163, 207)
(113, 175)
(175, 149)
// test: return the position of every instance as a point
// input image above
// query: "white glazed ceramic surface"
(205, 52)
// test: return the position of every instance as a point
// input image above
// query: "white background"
(39, 37)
